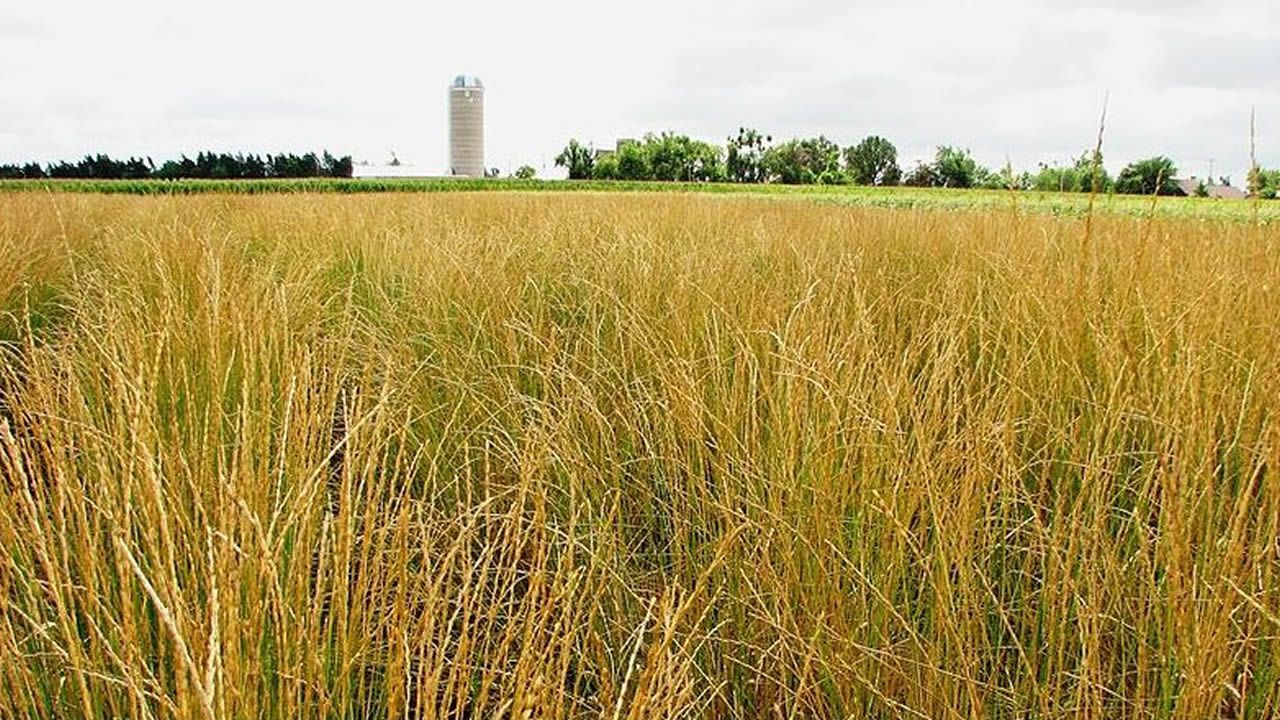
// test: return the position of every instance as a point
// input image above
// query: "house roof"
(1190, 185)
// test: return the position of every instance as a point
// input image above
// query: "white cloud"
(1005, 77)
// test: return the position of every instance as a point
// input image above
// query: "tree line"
(752, 157)
(205, 165)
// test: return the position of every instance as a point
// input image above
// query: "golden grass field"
(623, 456)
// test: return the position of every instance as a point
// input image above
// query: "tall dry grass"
(633, 457)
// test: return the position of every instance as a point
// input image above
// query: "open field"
(634, 455)
(1070, 204)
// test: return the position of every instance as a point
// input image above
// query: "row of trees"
(751, 157)
(206, 165)
(668, 157)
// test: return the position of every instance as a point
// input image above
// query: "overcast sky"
(1017, 79)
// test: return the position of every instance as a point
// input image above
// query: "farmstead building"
(1190, 187)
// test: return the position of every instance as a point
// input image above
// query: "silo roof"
(467, 81)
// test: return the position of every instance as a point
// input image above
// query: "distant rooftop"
(467, 81)
(1190, 187)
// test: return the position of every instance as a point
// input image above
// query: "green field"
(896, 197)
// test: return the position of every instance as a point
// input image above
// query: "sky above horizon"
(1016, 80)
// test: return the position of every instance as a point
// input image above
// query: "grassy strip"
(1071, 204)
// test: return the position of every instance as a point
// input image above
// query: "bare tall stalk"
(1255, 185)
(1095, 180)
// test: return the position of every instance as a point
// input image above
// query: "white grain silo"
(466, 127)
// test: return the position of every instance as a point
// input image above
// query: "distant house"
(1190, 187)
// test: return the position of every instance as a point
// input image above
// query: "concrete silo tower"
(466, 127)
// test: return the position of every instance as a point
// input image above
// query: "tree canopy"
(667, 156)
(1151, 176)
(951, 167)
(874, 161)
(745, 160)
(578, 159)
(1077, 177)
(804, 161)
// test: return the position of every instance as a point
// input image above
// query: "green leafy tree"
(526, 172)
(606, 167)
(1051, 178)
(205, 165)
(679, 158)
(1078, 177)
(989, 179)
(804, 162)
(874, 161)
(788, 164)
(1264, 184)
(1151, 176)
(956, 168)
(340, 167)
(1271, 186)
(744, 161)
(824, 156)
(255, 167)
(330, 166)
(184, 168)
(633, 162)
(578, 159)
(953, 168)
(62, 170)
(97, 166)
(922, 175)
(669, 156)
(708, 163)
